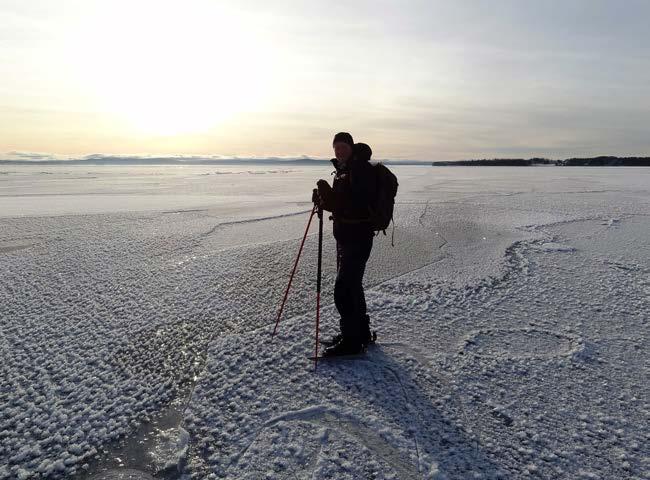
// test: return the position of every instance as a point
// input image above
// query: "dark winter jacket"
(352, 190)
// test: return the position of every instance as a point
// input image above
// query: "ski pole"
(318, 279)
(295, 265)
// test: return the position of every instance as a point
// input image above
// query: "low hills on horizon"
(100, 159)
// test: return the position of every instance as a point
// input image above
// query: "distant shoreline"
(99, 160)
(140, 161)
(602, 161)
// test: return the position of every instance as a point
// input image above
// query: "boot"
(345, 346)
(368, 336)
(333, 340)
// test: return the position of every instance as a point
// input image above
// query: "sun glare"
(172, 69)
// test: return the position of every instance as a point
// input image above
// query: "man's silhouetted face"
(342, 151)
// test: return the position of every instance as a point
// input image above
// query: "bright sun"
(168, 69)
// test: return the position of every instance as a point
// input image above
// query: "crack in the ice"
(250, 220)
(314, 463)
(408, 402)
(424, 212)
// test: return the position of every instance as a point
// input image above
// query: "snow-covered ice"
(137, 304)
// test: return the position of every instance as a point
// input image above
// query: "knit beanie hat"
(344, 137)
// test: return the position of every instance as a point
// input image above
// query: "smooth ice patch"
(171, 449)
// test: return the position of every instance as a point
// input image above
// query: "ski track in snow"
(512, 342)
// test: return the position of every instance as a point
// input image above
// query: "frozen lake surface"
(136, 306)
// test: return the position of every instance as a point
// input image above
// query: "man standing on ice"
(349, 200)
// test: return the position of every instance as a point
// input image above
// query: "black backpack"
(382, 206)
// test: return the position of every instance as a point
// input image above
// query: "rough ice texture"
(512, 318)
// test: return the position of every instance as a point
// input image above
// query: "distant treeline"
(502, 162)
(607, 162)
(569, 162)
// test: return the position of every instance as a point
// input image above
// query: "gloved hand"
(315, 198)
(326, 195)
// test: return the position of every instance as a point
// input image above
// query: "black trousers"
(349, 297)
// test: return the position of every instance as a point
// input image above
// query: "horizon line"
(33, 158)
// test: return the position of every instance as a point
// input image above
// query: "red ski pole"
(295, 265)
(318, 280)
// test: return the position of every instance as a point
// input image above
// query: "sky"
(416, 79)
